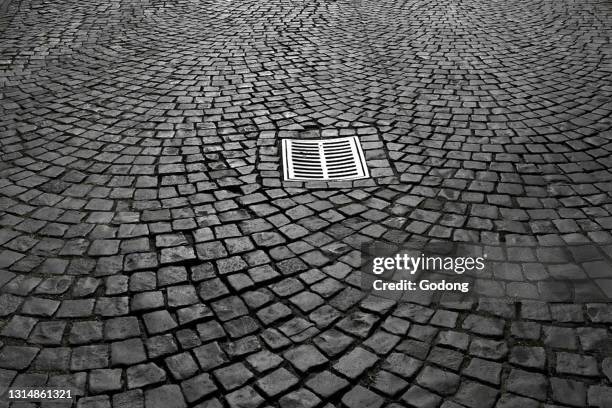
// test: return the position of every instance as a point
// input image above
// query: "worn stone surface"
(151, 254)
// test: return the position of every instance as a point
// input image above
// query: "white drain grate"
(331, 159)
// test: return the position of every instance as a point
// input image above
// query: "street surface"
(152, 256)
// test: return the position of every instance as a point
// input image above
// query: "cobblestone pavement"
(150, 254)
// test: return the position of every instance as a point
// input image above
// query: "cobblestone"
(151, 254)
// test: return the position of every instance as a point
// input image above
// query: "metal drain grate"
(331, 159)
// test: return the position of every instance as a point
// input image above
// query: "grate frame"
(337, 159)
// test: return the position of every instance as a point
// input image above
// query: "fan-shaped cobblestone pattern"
(151, 254)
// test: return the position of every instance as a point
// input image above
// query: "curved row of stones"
(152, 256)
